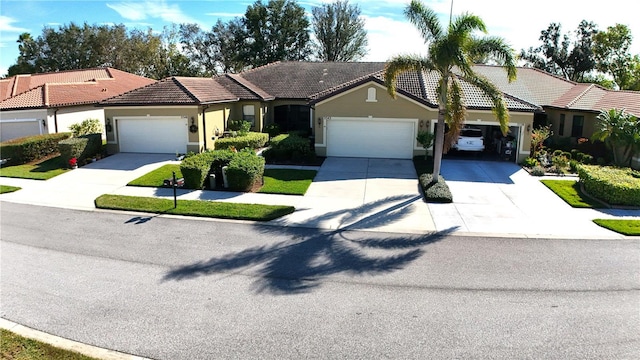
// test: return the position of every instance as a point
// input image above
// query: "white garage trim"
(370, 137)
(152, 134)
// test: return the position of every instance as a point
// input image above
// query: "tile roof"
(178, 90)
(301, 80)
(67, 88)
(422, 87)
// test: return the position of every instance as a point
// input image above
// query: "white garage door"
(13, 129)
(154, 135)
(375, 138)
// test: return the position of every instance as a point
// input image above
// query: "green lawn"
(625, 227)
(16, 347)
(287, 181)
(194, 207)
(8, 189)
(43, 170)
(156, 177)
(570, 192)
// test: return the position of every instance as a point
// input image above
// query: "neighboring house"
(344, 106)
(47, 103)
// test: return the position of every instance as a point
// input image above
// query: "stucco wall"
(195, 144)
(77, 114)
(216, 117)
(354, 104)
(553, 116)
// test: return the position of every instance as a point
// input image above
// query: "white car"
(470, 140)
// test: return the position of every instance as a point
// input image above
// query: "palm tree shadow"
(302, 264)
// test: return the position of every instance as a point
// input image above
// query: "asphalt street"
(176, 288)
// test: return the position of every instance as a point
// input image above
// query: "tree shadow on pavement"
(307, 260)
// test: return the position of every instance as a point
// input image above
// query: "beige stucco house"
(346, 109)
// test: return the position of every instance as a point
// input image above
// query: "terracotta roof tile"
(236, 89)
(70, 88)
(629, 100)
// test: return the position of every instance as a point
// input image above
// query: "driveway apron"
(363, 194)
(501, 198)
(78, 188)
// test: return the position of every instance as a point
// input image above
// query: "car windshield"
(471, 133)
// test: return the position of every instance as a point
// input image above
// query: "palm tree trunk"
(438, 146)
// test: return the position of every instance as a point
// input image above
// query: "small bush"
(83, 147)
(567, 154)
(30, 148)
(272, 129)
(289, 148)
(244, 170)
(573, 166)
(252, 140)
(615, 186)
(240, 126)
(435, 192)
(587, 159)
(195, 169)
(537, 171)
(560, 161)
(88, 126)
(579, 156)
(530, 162)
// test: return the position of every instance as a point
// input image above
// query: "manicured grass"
(287, 181)
(16, 347)
(194, 207)
(8, 189)
(570, 192)
(42, 170)
(625, 227)
(156, 177)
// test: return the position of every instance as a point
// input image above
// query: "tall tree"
(612, 55)
(276, 31)
(450, 49)
(339, 32)
(71, 47)
(559, 55)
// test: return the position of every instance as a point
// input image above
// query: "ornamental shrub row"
(29, 148)
(435, 192)
(616, 186)
(252, 140)
(244, 168)
(289, 148)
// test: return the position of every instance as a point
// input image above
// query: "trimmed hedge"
(252, 140)
(220, 159)
(244, 170)
(26, 149)
(435, 192)
(289, 148)
(616, 186)
(81, 147)
(196, 168)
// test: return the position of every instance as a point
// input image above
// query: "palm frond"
(400, 64)
(466, 24)
(498, 49)
(456, 114)
(425, 19)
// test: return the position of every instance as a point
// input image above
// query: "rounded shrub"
(530, 162)
(537, 171)
(244, 169)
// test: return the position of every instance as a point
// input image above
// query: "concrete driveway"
(493, 197)
(77, 189)
(363, 194)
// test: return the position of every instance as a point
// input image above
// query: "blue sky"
(389, 32)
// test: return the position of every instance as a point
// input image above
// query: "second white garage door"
(153, 135)
(367, 137)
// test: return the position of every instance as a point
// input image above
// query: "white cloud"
(388, 37)
(6, 25)
(137, 11)
(225, 14)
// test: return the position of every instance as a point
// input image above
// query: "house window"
(371, 95)
(249, 114)
(561, 128)
(578, 124)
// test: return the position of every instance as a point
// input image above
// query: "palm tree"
(450, 51)
(621, 132)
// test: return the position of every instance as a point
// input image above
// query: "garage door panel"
(17, 129)
(370, 138)
(153, 135)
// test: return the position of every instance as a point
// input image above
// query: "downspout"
(204, 126)
(55, 119)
